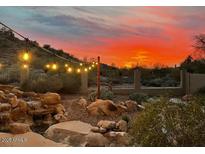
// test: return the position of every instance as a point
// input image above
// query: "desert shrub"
(43, 84)
(165, 124)
(125, 118)
(71, 83)
(138, 97)
(201, 91)
(104, 94)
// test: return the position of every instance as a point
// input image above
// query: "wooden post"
(137, 80)
(24, 75)
(84, 82)
(98, 78)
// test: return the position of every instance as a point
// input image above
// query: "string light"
(89, 68)
(54, 66)
(26, 56)
(66, 65)
(85, 69)
(48, 66)
(78, 70)
(25, 66)
(93, 65)
(69, 69)
(81, 64)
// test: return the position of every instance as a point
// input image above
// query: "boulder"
(105, 107)
(131, 105)
(5, 107)
(50, 98)
(60, 117)
(106, 124)
(82, 102)
(2, 97)
(17, 92)
(22, 105)
(60, 109)
(95, 140)
(29, 139)
(5, 117)
(118, 138)
(98, 130)
(18, 114)
(122, 126)
(34, 105)
(19, 128)
(6, 87)
(13, 101)
(71, 132)
(30, 94)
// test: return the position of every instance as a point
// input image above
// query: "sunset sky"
(125, 36)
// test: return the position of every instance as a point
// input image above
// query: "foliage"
(104, 94)
(165, 124)
(125, 118)
(138, 97)
(40, 81)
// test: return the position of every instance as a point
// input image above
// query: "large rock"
(118, 138)
(105, 107)
(60, 109)
(50, 98)
(5, 107)
(95, 140)
(71, 132)
(29, 139)
(34, 105)
(82, 102)
(131, 105)
(122, 126)
(19, 128)
(17, 92)
(109, 125)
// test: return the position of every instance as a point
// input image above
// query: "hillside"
(11, 46)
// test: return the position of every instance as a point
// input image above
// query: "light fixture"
(85, 69)
(54, 66)
(66, 65)
(81, 64)
(48, 66)
(78, 70)
(89, 68)
(26, 56)
(25, 66)
(69, 69)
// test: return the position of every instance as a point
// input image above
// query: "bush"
(104, 94)
(165, 124)
(138, 97)
(126, 118)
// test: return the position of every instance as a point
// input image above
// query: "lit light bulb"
(26, 56)
(69, 69)
(96, 63)
(66, 65)
(54, 66)
(85, 69)
(48, 66)
(81, 64)
(89, 68)
(93, 65)
(78, 70)
(25, 66)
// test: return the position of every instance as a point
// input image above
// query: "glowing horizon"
(125, 36)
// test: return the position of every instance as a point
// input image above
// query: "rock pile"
(109, 108)
(115, 132)
(19, 110)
